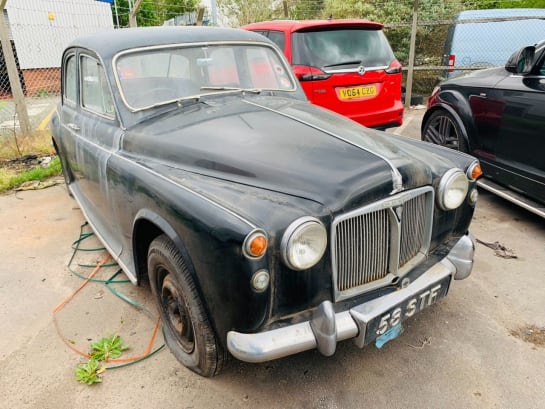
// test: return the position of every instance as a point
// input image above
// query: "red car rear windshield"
(341, 48)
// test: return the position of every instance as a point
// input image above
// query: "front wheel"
(186, 327)
(442, 129)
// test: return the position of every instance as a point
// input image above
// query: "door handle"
(73, 127)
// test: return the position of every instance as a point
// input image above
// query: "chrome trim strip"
(292, 339)
(510, 196)
(349, 70)
(397, 179)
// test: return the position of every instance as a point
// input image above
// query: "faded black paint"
(209, 173)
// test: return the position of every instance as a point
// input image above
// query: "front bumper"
(326, 327)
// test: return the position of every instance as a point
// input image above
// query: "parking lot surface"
(478, 348)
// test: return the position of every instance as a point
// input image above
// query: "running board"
(512, 196)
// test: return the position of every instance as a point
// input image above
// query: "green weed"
(101, 350)
(106, 348)
(89, 373)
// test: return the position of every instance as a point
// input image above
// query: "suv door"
(519, 144)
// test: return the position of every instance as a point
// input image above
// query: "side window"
(278, 38)
(542, 67)
(95, 94)
(71, 80)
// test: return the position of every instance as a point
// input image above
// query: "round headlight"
(452, 189)
(304, 243)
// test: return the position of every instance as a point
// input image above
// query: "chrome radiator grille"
(413, 225)
(376, 244)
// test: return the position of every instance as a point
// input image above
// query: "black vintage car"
(498, 115)
(265, 225)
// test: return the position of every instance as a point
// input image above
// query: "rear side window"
(278, 38)
(342, 48)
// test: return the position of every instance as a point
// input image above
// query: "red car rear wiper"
(342, 63)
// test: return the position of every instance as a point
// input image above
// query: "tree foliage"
(241, 12)
(152, 13)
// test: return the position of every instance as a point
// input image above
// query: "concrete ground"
(477, 348)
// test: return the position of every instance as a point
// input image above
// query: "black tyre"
(186, 327)
(442, 129)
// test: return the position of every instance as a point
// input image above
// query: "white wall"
(40, 40)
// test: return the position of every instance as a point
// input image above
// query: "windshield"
(342, 48)
(156, 76)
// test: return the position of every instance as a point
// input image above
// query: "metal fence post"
(13, 74)
(409, 83)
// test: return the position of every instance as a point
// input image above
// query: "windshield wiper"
(342, 63)
(235, 89)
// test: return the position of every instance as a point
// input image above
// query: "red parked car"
(344, 65)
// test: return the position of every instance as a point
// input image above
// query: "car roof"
(301, 25)
(110, 42)
(499, 13)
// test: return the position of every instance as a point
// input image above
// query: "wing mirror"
(522, 61)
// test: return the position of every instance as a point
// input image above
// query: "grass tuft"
(10, 179)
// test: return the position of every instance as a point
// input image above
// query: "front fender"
(213, 255)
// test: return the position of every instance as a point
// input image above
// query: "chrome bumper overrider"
(326, 327)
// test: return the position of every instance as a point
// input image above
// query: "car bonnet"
(282, 145)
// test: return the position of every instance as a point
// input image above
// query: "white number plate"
(406, 309)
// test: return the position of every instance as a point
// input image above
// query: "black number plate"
(406, 309)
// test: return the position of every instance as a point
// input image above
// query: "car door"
(520, 140)
(95, 132)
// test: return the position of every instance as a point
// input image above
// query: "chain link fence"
(39, 30)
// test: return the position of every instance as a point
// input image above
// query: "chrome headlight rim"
(448, 180)
(295, 227)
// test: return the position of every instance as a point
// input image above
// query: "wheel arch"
(461, 114)
(147, 226)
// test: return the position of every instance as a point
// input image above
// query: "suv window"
(336, 48)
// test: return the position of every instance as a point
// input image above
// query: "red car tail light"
(451, 61)
(306, 73)
(394, 68)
